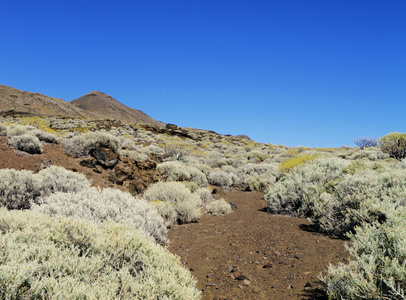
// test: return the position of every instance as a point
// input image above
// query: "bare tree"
(365, 142)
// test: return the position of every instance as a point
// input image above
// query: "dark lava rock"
(241, 277)
(106, 157)
(233, 206)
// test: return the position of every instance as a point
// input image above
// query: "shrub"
(58, 179)
(256, 177)
(365, 142)
(38, 123)
(62, 258)
(96, 205)
(377, 269)
(83, 144)
(18, 189)
(15, 130)
(220, 178)
(186, 204)
(394, 144)
(3, 130)
(176, 170)
(371, 153)
(357, 199)
(167, 211)
(296, 192)
(45, 136)
(295, 161)
(204, 194)
(26, 143)
(219, 207)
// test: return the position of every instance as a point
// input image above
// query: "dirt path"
(250, 254)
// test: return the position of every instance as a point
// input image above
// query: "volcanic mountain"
(24, 102)
(93, 105)
(107, 107)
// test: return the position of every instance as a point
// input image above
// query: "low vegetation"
(358, 193)
(61, 258)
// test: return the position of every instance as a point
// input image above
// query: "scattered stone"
(246, 282)
(297, 256)
(209, 275)
(308, 284)
(192, 270)
(241, 277)
(267, 266)
(209, 284)
(291, 286)
(240, 286)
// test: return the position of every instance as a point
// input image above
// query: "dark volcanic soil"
(251, 254)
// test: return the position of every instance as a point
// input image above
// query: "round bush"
(43, 257)
(27, 143)
(101, 205)
(186, 204)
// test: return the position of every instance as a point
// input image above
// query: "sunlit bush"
(220, 178)
(100, 205)
(83, 144)
(394, 144)
(377, 269)
(296, 192)
(18, 189)
(27, 143)
(60, 258)
(295, 161)
(176, 170)
(186, 204)
(218, 207)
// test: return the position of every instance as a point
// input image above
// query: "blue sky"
(297, 73)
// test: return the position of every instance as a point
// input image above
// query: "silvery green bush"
(296, 192)
(377, 269)
(174, 170)
(45, 257)
(100, 205)
(218, 207)
(186, 203)
(3, 130)
(18, 189)
(356, 199)
(15, 130)
(27, 143)
(220, 178)
(58, 179)
(82, 145)
(45, 136)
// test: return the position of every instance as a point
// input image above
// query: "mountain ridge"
(93, 105)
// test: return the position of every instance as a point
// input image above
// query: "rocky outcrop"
(134, 175)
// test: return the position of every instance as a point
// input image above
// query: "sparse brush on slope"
(43, 257)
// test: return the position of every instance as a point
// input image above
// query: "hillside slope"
(37, 104)
(106, 106)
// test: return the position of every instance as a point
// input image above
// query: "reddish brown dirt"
(251, 254)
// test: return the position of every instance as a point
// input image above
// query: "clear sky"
(292, 72)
